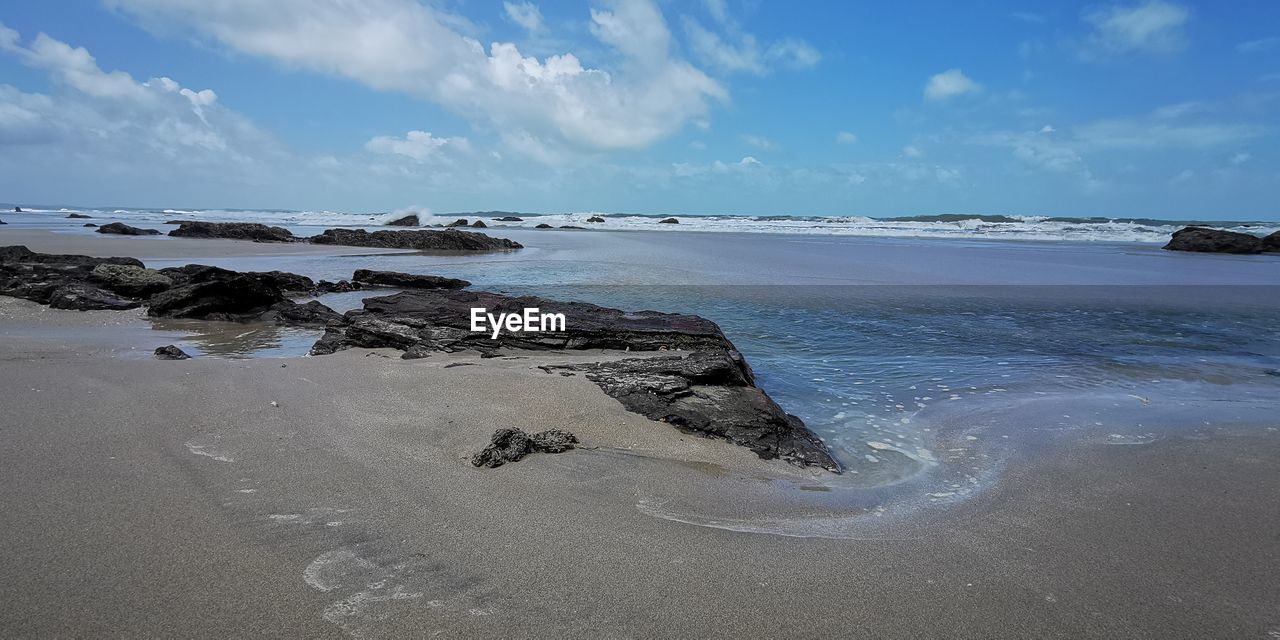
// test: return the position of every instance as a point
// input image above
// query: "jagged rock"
(1204, 239)
(130, 280)
(86, 297)
(341, 286)
(170, 352)
(120, 228)
(407, 280)
(1271, 242)
(79, 215)
(543, 225)
(668, 221)
(509, 219)
(460, 222)
(39, 276)
(410, 220)
(232, 230)
(595, 219)
(479, 224)
(217, 294)
(510, 445)
(310, 314)
(422, 240)
(708, 388)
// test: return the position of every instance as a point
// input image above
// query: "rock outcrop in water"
(122, 229)
(410, 220)
(80, 216)
(696, 380)
(668, 221)
(421, 240)
(510, 445)
(406, 280)
(1206, 240)
(232, 231)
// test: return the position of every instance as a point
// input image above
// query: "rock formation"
(406, 280)
(1204, 239)
(232, 231)
(120, 228)
(510, 445)
(424, 240)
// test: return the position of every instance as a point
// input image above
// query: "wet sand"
(149, 498)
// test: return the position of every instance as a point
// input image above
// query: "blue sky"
(1153, 108)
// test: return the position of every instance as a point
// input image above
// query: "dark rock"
(86, 297)
(120, 228)
(17, 209)
(479, 224)
(543, 225)
(281, 280)
(232, 231)
(510, 445)
(1209, 240)
(460, 222)
(410, 220)
(79, 215)
(423, 240)
(89, 225)
(173, 222)
(668, 221)
(1271, 242)
(310, 314)
(217, 294)
(3, 222)
(569, 226)
(129, 280)
(595, 219)
(509, 219)
(170, 352)
(407, 280)
(707, 389)
(341, 286)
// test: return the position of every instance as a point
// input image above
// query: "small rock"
(79, 215)
(460, 222)
(543, 225)
(479, 224)
(170, 352)
(509, 219)
(595, 219)
(510, 445)
(668, 221)
(410, 220)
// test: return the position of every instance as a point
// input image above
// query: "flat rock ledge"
(693, 378)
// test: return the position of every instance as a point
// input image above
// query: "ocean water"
(924, 363)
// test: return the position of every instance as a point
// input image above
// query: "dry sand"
(144, 498)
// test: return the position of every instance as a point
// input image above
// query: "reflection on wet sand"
(238, 340)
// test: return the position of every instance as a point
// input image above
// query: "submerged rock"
(668, 221)
(510, 445)
(410, 220)
(120, 228)
(88, 225)
(422, 240)
(407, 280)
(233, 231)
(569, 226)
(707, 388)
(171, 352)
(1204, 239)
(543, 225)
(509, 219)
(79, 216)
(595, 219)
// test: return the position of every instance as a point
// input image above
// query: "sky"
(1156, 108)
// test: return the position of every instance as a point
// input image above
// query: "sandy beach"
(331, 496)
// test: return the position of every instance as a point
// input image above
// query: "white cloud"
(1261, 45)
(912, 151)
(845, 137)
(419, 145)
(1241, 157)
(525, 14)
(1153, 27)
(409, 47)
(759, 142)
(949, 84)
(736, 51)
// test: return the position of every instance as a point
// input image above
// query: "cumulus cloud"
(845, 137)
(553, 103)
(949, 84)
(525, 14)
(419, 145)
(1153, 27)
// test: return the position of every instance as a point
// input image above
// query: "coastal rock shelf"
(692, 378)
(696, 380)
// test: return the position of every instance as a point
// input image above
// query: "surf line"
(531, 320)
